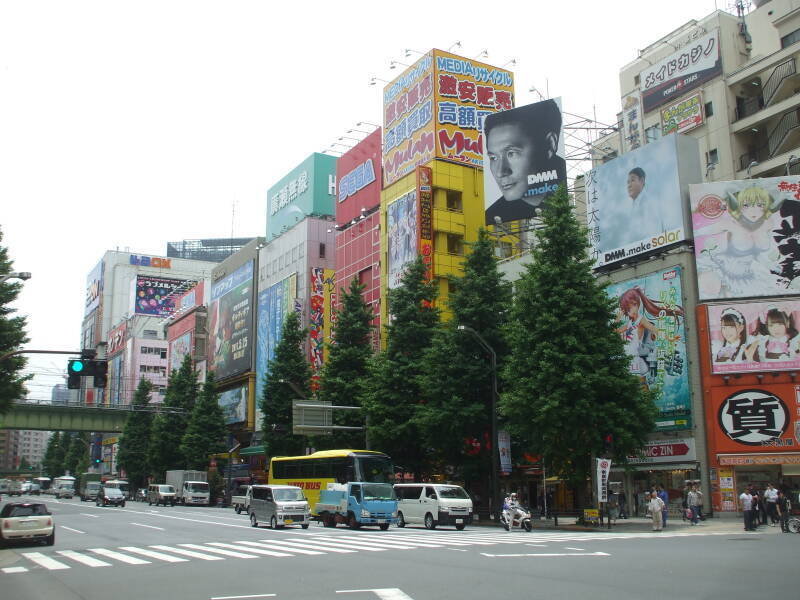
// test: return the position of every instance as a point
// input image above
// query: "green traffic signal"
(75, 366)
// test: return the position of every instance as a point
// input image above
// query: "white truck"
(191, 487)
(64, 486)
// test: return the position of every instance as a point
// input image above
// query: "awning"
(251, 451)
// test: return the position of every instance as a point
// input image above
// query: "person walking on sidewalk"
(782, 506)
(694, 501)
(770, 501)
(746, 502)
(655, 508)
(662, 493)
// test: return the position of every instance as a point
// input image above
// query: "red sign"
(358, 176)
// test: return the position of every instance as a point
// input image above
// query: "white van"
(432, 504)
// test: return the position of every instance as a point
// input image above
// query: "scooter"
(522, 519)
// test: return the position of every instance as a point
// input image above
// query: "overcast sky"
(132, 124)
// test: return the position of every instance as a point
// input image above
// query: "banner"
(155, 296)
(689, 67)
(504, 447)
(632, 129)
(274, 303)
(745, 237)
(178, 349)
(524, 152)
(652, 325)
(230, 316)
(683, 116)
(320, 285)
(401, 233)
(603, 470)
(234, 405)
(425, 218)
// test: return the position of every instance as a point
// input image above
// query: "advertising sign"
(358, 175)
(685, 69)
(666, 451)
(234, 405)
(524, 152)
(155, 296)
(603, 469)
(754, 336)
(274, 303)
(504, 447)
(634, 202)
(683, 115)
(652, 326)
(117, 338)
(745, 237)
(425, 217)
(633, 132)
(401, 232)
(435, 109)
(94, 288)
(179, 348)
(322, 280)
(229, 326)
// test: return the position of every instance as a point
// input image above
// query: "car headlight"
(365, 513)
(394, 514)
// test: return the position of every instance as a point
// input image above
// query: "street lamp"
(495, 483)
(23, 275)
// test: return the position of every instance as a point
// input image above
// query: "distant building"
(213, 250)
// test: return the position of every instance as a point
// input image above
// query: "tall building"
(18, 447)
(210, 250)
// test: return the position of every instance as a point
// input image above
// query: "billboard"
(274, 303)
(754, 336)
(652, 326)
(632, 129)
(524, 151)
(233, 403)
(94, 288)
(358, 177)
(425, 218)
(682, 116)
(635, 202)
(230, 317)
(178, 349)
(320, 284)
(689, 67)
(401, 234)
(155, 296)
(435, 109)
(745, 236)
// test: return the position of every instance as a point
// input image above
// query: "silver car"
(278, 505)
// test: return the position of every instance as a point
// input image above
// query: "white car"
(27, 521)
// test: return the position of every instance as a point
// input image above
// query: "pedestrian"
(759, 515)
(664, 495)
(685, 501)
(655, 508)
(693, 500)
(782, 506)
(746, 503)
(770, 501)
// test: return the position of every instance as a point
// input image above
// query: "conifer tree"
(567, 383)
(346, 370)
(49, 466)
(289, 371)
(12, 337)
(392, 393)
(206, 432)
(133, 446)
(78, 450)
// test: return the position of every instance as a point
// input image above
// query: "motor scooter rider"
(512, 509)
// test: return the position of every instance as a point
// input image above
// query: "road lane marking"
(153, 554)
(333, 549)
(131, 560)
(188, 553)
(550, 554)
(219, 551)
(254, 550)
(376, 544)
(279, 546)
(537, 545)
(346, 544)
(83, 559)
(70, 529)
(45, 561)
(250, 596)
(148, 526)
(88, 515)
(10, 570)
(383, 594)
(578, 549)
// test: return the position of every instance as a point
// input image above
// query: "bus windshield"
(375, 468)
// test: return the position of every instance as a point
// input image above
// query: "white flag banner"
(603, 469)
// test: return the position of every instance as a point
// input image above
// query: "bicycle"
(794, 524)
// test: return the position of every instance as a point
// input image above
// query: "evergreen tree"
(346, 370)
(207, 431)
(12, 337)
(170, 425)
(78, 449)
(567, 383)
(392, 392)
(135, 441)
(48, 466)
(456, 380)
(287, 371)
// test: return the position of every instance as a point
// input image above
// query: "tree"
(347, 367)
(135, 441)
(169, 426)
(49, 454)
(392, 392)
(288, 372)
(456, 380)
(12, 337)
(207, 431)
(78, 449)
(567, 383)
(55, 453)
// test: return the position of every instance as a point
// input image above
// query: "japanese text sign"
(425, 217)
(156, 296)
(632, 130)
(230, 344)
(683, 115)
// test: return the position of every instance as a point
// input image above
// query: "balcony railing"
(781, 72)
(788, 122)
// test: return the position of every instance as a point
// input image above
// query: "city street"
(198, 553)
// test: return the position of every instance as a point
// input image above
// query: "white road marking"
(250, 596)
(82, 558)
(347, 544)
(153, 554)
(219, 551)
(70, 529)
(383, 594)
(131, 560)
(378, 544)
(88, 515)
(15, 570)
(45, 561)
(333, 549)
(279, 546)
(253, 550)
(537, 545)
(188, 553)
(546, 554)
(148, 526)
(578, 549)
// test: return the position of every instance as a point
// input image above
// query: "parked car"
(26, 521)
(160, 493)
(110, 495)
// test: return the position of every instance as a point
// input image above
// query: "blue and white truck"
(357, 504)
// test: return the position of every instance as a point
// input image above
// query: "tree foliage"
(288, 371)
(12, 337)
(347, 367)
(206, 432)
(54, 454)
(133, 446)
(392, 393)
(77, 453)
(567, 383)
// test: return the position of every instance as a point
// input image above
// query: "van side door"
(430, 502)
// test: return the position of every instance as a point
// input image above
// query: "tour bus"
(314, 472)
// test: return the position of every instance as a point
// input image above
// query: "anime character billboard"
(746, 237)
(651, 323)
(402, 232)
(230, 347)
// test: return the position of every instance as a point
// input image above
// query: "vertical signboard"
(632, 130)
(425, 218)
(401, 233)
(316, 316)
(274, 303)
(652, 326)
(230, 317)
(330, 297)
(94, 288)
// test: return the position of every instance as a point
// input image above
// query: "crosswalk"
(305, 545)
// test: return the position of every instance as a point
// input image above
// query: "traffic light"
(608, 444)
(86, 367)
(100, 373)
(98, 460)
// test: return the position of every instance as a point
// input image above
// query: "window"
(709, 108)
(454, 201)
(321, 250)
(163, 353)
(712, 157)
(504, 249)
(651, 134)
(636, 80)
(790, 39)
(455, 243)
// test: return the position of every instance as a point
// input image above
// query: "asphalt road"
(176, 553)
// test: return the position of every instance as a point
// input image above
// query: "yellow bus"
(314, 472)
